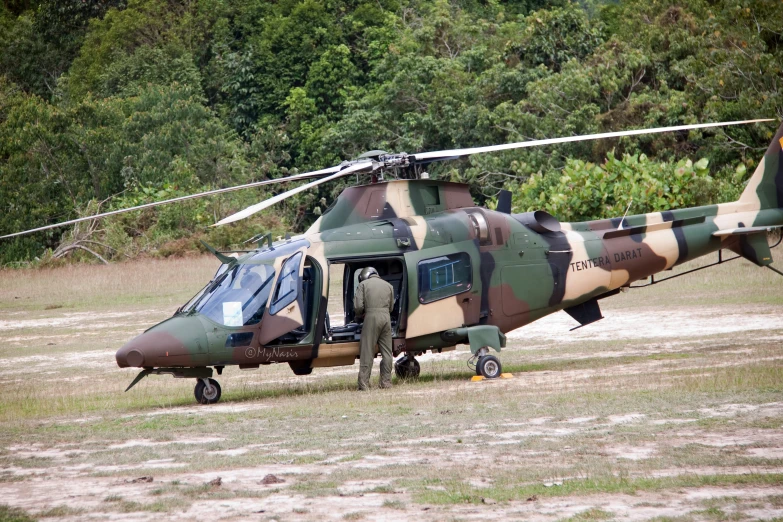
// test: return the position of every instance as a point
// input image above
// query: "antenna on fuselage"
(626, 213)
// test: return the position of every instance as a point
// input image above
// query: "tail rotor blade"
(454, 153)
(258, 207)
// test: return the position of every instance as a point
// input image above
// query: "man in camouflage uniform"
(374, 299)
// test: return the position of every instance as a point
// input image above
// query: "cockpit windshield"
(187, 306)
(238, 297)
(238, 294)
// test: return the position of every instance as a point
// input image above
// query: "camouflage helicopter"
(461, 274)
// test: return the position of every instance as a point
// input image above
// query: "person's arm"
(391, 299)
(358, 300)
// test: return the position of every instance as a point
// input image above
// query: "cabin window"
(444, 276)
(287, 287)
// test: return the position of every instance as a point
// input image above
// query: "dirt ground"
(670, 408)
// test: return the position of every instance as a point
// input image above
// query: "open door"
(444, 290)
(284, 312)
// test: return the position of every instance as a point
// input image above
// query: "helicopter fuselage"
(461, 274)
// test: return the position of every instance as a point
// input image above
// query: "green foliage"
(38, 160)
(255, 74)
(40, 39)
(62, 20)
(159, 144)
(141, 100)
(127, 74)
(554, 37)
(144, 22)
(584, 191)
(331, 78)
(27, 58)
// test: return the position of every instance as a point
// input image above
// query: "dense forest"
(106, 104)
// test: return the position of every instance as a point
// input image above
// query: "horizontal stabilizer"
(753, 246)
(744, 231)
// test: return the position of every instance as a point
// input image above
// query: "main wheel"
(407, 367)
(207, 394)
(489, 366)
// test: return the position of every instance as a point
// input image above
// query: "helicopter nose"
(148, 349)
(175, 342)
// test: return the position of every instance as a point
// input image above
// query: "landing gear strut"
(407, 367)
(486, 365)
(207, 391)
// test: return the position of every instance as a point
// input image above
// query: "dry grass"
(738, 282)
(159, 283)
(640, 423)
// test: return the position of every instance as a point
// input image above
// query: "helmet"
(366, 273)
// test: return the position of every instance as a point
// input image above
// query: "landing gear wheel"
(489, 366)
(407, 367)
(207, 394)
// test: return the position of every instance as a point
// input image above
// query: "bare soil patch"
(652, 412)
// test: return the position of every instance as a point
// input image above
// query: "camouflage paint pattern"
(524, 266)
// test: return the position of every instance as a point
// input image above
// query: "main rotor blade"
(249, 211)
(295, 177)
(569, 139)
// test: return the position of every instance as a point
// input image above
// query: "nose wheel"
(207, 391)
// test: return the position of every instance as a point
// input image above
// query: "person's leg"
(385, 345)
(366, 352)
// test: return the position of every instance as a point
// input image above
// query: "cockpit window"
(238, 297)
(187, 306)
(268, 256)
(287, 287)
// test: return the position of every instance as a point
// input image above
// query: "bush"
(584, 191)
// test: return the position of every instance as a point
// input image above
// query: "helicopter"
(461, 274)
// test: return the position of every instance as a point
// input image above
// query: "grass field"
(668, 409)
